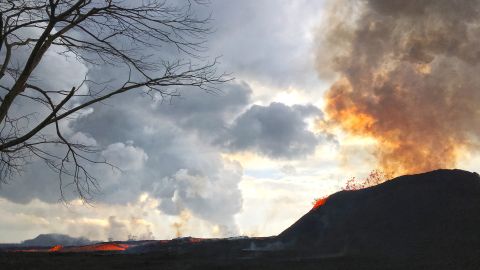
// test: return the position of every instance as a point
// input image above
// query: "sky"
(248, 160)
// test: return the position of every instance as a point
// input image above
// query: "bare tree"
(117, 33)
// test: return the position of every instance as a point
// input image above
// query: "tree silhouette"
(114, 33)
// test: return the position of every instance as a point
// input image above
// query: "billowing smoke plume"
(407, 76)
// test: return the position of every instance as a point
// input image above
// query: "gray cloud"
(277, 131)
(153, 144)
(207, 113)
(267, 44)
(181, 170)
(172, 150)
(162, 150)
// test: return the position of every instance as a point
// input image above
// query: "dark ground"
(425, 221)
(153, 261)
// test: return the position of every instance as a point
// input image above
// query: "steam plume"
(407, 76)
(179, 225)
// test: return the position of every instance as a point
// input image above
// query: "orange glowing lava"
(56, 248)
(88, 248)
(319, 202)
(103, 247)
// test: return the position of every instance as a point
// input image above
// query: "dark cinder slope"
(426, 214)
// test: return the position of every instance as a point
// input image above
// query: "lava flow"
(319, 202)
(56, 248)
(99, 247)
(88, 248)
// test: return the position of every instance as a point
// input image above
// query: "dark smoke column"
(407, 75)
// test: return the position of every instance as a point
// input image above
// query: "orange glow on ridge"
(319, 202)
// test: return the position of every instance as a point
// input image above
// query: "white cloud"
(125, 156)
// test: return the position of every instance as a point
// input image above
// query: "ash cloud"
(406, 75)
